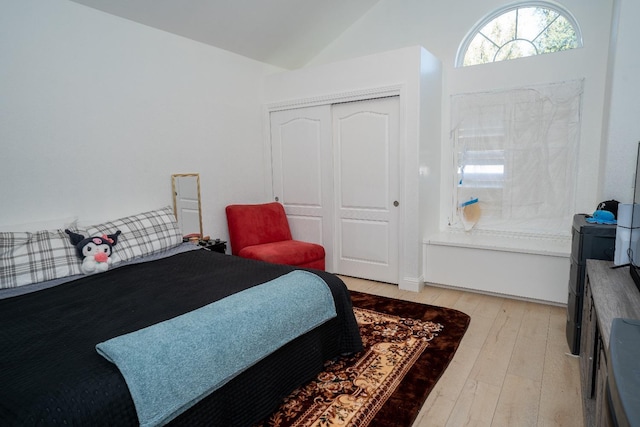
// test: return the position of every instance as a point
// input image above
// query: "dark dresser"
(588, 241)
(610, 296)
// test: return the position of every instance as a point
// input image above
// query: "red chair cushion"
(262, 232)
(256, 224)
(289, 252)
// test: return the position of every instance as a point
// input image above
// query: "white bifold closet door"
(365, 146)
(335, 170)
(301, 158)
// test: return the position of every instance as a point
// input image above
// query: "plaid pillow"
(143, 234)
(27, 258)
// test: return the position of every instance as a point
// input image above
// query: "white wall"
(441, 26)
(623, 131)
(96, 113)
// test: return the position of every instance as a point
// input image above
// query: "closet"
(342, 195)
(335, 168)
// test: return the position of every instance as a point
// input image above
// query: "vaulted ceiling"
(285, 33)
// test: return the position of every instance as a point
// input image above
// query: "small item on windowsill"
(470, 213)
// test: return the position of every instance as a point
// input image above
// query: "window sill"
(558, 247)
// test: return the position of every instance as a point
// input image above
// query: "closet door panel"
(361, 241)
(364, 161)
(302, 176)
(307, 226)
(365, 138)
(300, 156)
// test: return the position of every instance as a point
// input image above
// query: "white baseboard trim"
(413, 284)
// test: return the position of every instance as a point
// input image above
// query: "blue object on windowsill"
(469, 202)
(602, 217)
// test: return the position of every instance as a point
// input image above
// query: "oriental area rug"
(407, 347)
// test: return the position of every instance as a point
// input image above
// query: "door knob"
(395, 203)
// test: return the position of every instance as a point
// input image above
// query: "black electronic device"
(623, 379)
(634, 240)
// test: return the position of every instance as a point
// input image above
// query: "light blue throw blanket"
(172, 365)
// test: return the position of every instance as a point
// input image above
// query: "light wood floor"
(513, 366)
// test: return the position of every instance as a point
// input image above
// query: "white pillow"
(143, 234)
(32, 257)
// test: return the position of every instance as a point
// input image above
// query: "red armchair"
(262, 232)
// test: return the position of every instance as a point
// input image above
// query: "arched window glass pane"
(560, 35)
(534, 25)
(502, 29)
(515, 49)
(517, 31)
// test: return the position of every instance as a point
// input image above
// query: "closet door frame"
(328, 100)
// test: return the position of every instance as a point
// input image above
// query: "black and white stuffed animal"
(95, 252)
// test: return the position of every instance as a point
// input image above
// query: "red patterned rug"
(407, 347)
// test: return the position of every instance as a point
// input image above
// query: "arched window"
(520, 30)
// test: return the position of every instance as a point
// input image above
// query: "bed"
(51, 373)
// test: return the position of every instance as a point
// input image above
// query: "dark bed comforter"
(51, 374)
